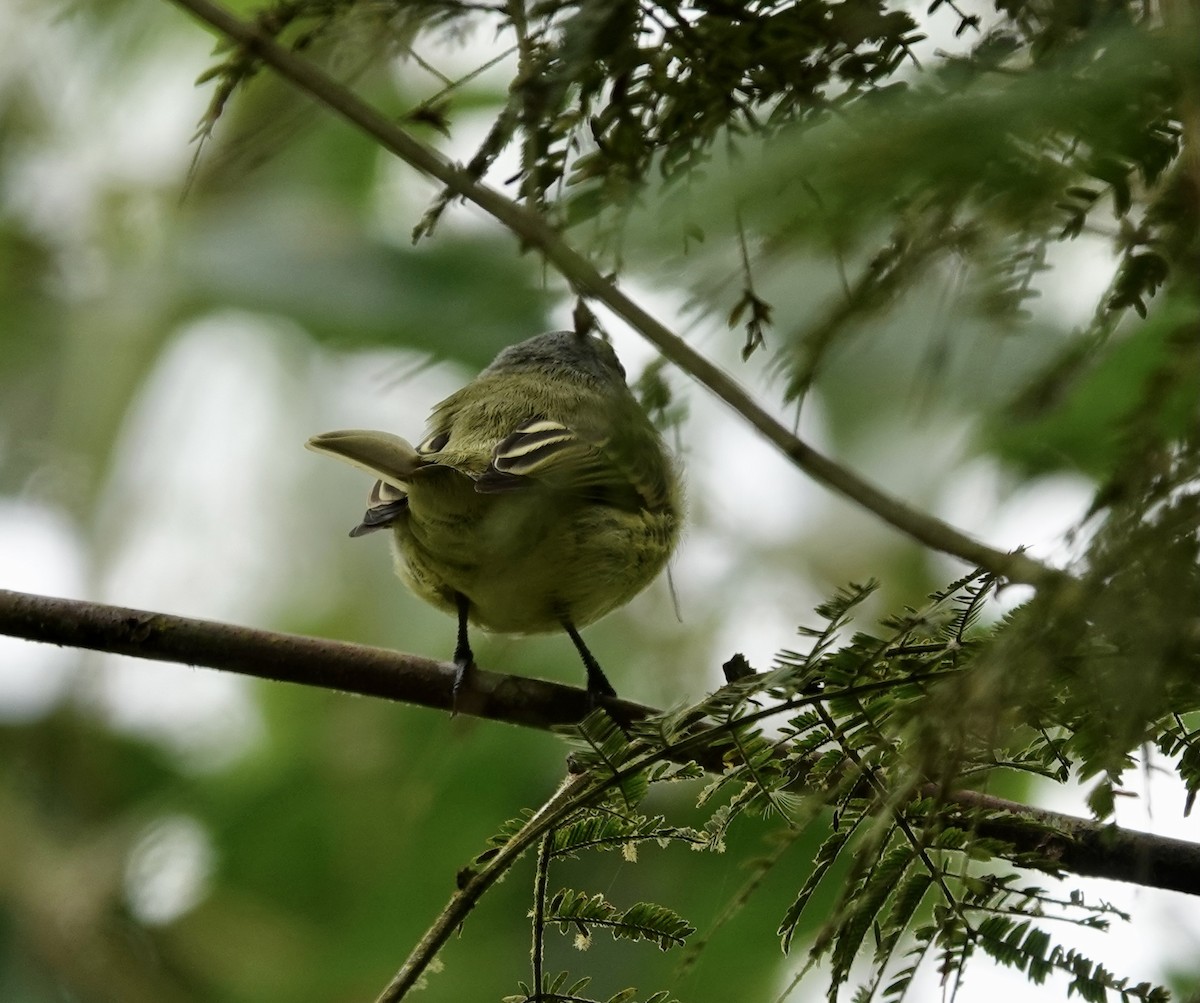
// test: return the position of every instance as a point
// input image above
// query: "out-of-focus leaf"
(458, 298)
(1085, 431)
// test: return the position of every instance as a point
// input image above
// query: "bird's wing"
(545, 451)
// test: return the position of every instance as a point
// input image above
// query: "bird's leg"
(597, 683)
(464, 658)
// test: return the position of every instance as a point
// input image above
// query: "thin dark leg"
(597, 683)
(464, 658)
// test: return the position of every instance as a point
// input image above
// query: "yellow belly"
(527, 559)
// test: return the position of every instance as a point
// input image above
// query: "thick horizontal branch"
(294, 658)
(1088, 848)
(1077, 845)
(534, 231)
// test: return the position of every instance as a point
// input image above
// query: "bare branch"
(534, 231)
(292, 658)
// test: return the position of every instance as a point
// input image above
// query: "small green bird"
(541, 498)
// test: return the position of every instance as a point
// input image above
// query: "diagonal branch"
(473, 883)
(534, 231)
(1080, 846)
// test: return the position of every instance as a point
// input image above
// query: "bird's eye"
(435, 443)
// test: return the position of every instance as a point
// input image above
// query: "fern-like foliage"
(870, 735)
(556, 989)
(612, 831)
(643, 921)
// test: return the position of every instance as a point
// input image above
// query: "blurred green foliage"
(891, 212)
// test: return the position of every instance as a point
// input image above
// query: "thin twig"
(540, 880)
(565, 801)
(534, 231)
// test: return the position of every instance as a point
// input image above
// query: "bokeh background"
(175, 321)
